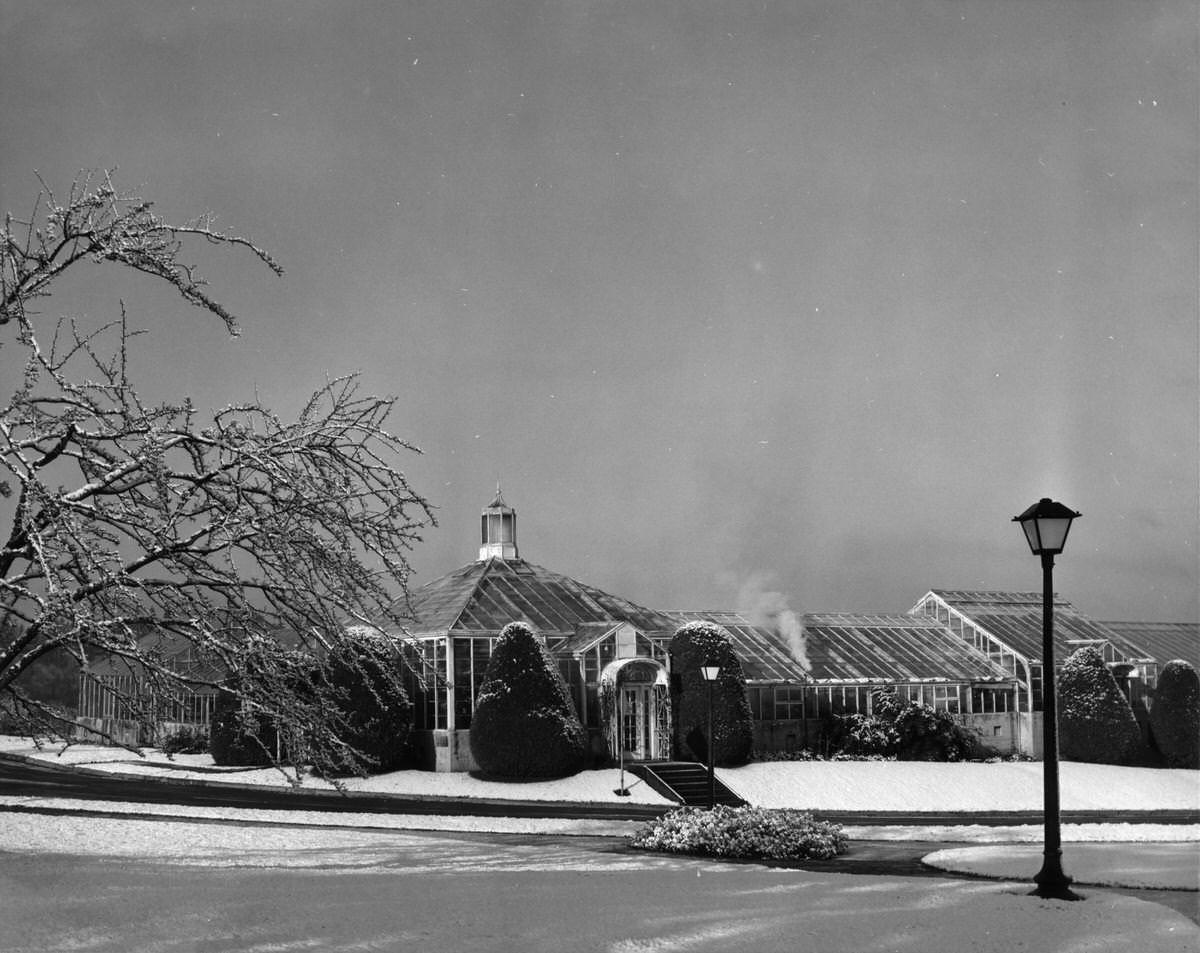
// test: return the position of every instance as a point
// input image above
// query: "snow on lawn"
(1169, 866)
(929, 786)
(916, 786)
(18, 810)
(598, 786)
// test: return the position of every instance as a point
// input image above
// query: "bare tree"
(137, 525)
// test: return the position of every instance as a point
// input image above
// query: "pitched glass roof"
(893, 648)
(1161, 641)
(483, 597)
(1015, 618)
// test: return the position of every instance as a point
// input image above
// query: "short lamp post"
(709, 672)
(1046, 525)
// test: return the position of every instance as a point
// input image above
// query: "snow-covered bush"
(907, 731)
(696, 644)
(525, 725)
(750, 832)
(1095, 722)
(1175, 715)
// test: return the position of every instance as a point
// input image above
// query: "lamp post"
(1046, 525)
(622, 791)
(709, 672)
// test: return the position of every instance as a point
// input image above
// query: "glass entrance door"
(637, 722)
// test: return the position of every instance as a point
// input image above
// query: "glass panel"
(464, 693)
(629, 719)
(506, 528)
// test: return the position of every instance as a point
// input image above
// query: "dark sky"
(807, 298)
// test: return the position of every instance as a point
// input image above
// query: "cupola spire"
(498, 529)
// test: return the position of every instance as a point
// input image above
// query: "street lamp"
(709, 672)
(1046, 525)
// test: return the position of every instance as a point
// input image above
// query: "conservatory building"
(612, 653)
(974, 655)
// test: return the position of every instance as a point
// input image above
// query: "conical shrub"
(1175, 715)
(1095, 721)
(525, 725)
(693, 645)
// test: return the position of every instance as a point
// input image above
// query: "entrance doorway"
(636, 709)
(637, 722)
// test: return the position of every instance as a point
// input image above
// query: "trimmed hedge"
(1175, 715)
(525, 726)
(1095, 722)
(733, 730)
(755, 833)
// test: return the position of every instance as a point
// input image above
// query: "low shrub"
(804, 754)
(754, 833)
(1175, 715)
(906, 731)
(185, 740)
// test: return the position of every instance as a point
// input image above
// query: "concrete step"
(685, 782)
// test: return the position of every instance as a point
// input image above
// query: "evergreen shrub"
(748, 832)
(1175, 715)
(1095, 722)
(525, 726)
(693, 645)
(374, 714)
(238, 737)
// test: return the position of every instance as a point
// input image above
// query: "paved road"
(360, 891)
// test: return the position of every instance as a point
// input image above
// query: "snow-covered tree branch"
(137, 525)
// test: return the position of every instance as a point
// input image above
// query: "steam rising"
(769, 609)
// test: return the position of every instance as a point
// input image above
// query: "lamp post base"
(1052, 883)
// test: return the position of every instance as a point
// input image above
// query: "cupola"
(498, 529)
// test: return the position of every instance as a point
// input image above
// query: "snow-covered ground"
(928, 786)
(1170, 866)
(829, 912)
(819, 785)
(585, 787)
(1115, 853)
